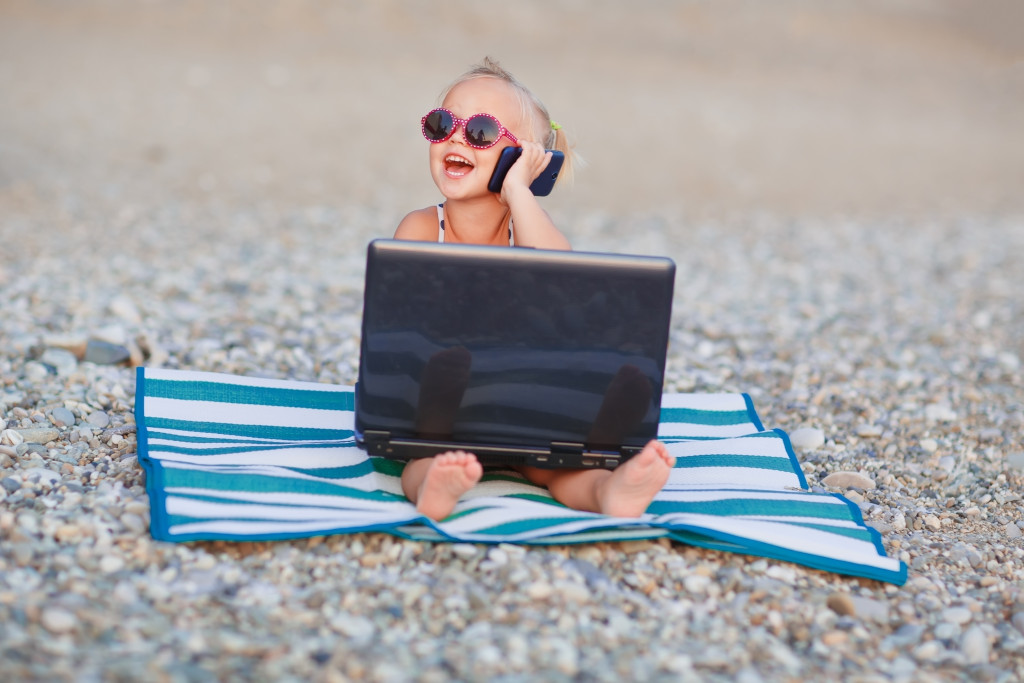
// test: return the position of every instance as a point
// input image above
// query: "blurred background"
(799, 107)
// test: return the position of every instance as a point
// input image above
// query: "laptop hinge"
(566, 448)
(377, 442)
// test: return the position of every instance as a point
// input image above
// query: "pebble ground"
(192, 185)
(891, 351)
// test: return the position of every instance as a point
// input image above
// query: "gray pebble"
(41, 475)
(39, 434)
(975, 645)
(10, 485)
(105, 353)
(62, 417)
(956, 615)
(61, 360)
(807, 438)
(57, 620)
(98, 419)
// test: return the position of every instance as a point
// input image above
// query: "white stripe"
(750, 477)
(757, 446)
(690, 495)
(341, 456)
(305, 499)
(248, 414)
(705, 402)
(204, 509)
(223, 378)
(689, 430)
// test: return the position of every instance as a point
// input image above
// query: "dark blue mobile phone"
(541, 187)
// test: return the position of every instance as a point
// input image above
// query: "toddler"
(481, 113)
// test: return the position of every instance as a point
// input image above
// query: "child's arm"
(531, 224)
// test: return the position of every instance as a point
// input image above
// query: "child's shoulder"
(420, 224)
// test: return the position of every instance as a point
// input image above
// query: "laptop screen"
(499, 345)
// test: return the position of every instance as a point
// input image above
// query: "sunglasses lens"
(438, 125)
(482, 131)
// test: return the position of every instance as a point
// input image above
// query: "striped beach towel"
(240, 458)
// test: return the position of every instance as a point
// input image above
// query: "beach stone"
(956, 615)
(1018, 621)
(870, 609)
(12, 437)
(842, 604)
(899, 521)
(110, 564)
(38, 435)
(358, 628)
(928, 651)
(929, 445)
(62, 417)
(61, 360)
(30, 449)
(57, 620)
(44, 476)
(807, 438)
(98, 419)
(1012, 531)
(869, 430)
(939, 412)
(10, 484)
(105, 353)
(975, 646)
(464, 550)
(36, 371)
(1015, 460)
(846, 480)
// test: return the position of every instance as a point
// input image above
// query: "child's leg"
(435, 484)
(625, 491)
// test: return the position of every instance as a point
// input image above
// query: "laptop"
(554, 359)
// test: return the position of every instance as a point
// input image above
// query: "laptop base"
(561, 455)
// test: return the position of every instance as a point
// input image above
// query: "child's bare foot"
(633, 484)
(450, 475)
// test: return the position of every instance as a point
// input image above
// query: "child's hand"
(527, 168)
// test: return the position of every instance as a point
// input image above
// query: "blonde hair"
(545, 130)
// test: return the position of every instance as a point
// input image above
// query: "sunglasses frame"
(457, 123)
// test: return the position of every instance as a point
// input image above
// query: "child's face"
(461, 171)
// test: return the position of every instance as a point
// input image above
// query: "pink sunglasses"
(482, 130)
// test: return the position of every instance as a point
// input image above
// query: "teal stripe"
(535, 497)
(521, 526)
(360, 469)
(261, 483)
(715, 418)
(747, 507)
(252, 431)
(219, 392)
(861, 534)
(758, 462)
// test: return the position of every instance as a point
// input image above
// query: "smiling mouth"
(456, 165)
